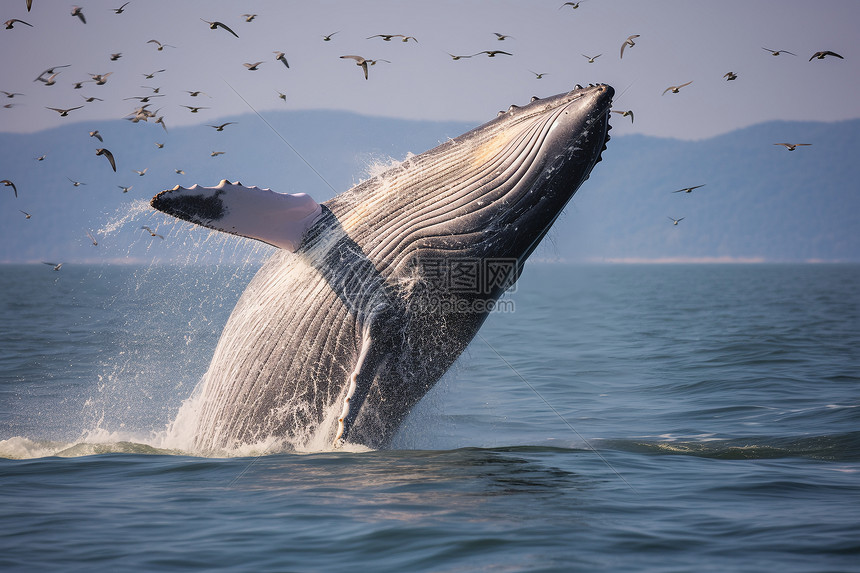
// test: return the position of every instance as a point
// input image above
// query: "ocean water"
(619, 418)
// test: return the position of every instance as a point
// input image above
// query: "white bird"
(64, 112)
(152, 233)
(778, 52)
(10, 24)
(79, 12)
(160, 47)
(688, 189)
(50, 80)
(109, 155)
(282, 57)
(359, 61)
(625, 113)
(222, 126)
(214, 25)
(676, 89)
(628, 42)
(792, 146)
(100, 79)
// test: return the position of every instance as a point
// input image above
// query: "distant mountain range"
(760, 201)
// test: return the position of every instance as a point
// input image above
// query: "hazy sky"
(680, 41)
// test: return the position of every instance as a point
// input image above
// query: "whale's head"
(549, 148)
(492, 192)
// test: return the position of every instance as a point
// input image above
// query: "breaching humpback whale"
(373, 294)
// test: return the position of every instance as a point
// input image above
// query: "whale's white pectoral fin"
(279, 219)
(353, 384)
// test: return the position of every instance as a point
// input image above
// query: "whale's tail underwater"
(372, 295)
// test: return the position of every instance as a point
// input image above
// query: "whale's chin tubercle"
(278, 219)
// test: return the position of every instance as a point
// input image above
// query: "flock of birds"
(143, 113)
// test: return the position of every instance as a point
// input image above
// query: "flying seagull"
(7, 183)
(386, 37)
(253, 67)
(591, 58)
(778, 52)
(121, 9)
(792, 146)
(55, 265)
(821, 55)
(628, 42)
(49, 71)
(64, 112)
(676, 89)
(282, 57)
(109, 155)
(493, 53)
(93, 239)
(222, 126)
(675, 221)
(688, 189)
(624, 113)
(328, 38)
(10, 24)
(214, 25)
(730, 76)
(50, 80)
(97, 135)
(152, 233)
(100, 79)
(160, 46)
(359, 61)
(79, 12)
